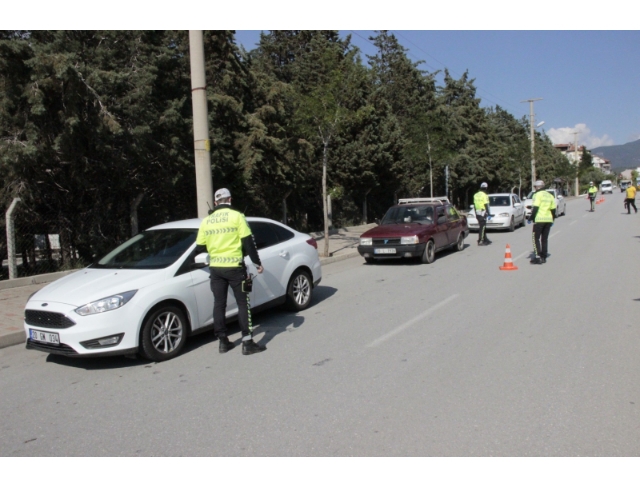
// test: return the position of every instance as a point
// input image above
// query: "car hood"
(395, 230)
(89, 285)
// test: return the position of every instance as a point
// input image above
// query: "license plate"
(384, 251)
(44, 336)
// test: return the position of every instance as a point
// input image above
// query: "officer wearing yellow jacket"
(226, 236)
(630, 199)
(483, 212)
(543, 214)
(592, 193)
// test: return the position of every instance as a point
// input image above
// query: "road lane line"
(574, 221)
(412, 321)
(528, 252)
(553, 235)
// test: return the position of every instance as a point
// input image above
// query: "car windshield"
(499, 201)
(153, 249)
(408, 214)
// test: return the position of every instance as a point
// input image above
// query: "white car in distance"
(150, 293)
(561, 204)
(507, 211)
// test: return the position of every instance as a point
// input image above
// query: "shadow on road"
(272, 322)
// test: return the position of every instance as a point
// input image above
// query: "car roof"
(502, 194)
(195, 223)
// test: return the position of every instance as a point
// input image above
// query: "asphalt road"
(456, 358)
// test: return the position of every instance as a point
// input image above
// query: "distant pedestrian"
(592, 193)
(483, 212)
(543, 215)
(631, 199)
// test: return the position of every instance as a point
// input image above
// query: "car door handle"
(284, 254)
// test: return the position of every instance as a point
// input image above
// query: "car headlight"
(106, 304)
(503, 214)
(409, 240)
(366, 241)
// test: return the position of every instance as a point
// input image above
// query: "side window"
(514, 200)
(282, 233)
(439, 213)
(263, 234)
(452, 214)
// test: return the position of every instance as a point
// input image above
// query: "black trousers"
(540, 236)
(221, 279)
(628, 203)
(482, 224)
(593, 203)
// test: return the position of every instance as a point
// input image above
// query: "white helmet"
(539, 183)
(484, 185)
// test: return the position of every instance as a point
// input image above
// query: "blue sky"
(589, 81)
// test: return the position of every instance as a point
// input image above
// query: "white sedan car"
(561, 204)
(507, 211)
(150, 293)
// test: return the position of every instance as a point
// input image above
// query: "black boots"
(535, 260)
(225, 345)
(249, 347)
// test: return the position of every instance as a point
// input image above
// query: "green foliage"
(92, 122)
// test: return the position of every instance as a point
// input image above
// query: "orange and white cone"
(508, 263)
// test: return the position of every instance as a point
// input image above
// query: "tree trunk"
(324, 198)
(134, 214)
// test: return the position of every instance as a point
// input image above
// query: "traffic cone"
(508, 263)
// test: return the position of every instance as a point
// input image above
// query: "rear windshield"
(499, 201)
(408, 214)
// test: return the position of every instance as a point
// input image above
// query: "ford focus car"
(152, 292)
(507, 211)
(415, 227)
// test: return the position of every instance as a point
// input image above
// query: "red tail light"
(313, 243)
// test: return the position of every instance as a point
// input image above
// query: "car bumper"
(391, 251)
(495, 222)
(81, 338)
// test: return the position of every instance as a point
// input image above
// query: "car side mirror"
(200, 261)
(517, 205)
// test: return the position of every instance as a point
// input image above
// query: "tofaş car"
(152, 292)
(561, 204)
(415, 227)
(507, 211)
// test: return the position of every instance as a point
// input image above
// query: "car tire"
(164, 333)
(299, 291)
(460, 242)
(512, 225)
(369, 260)
(429, 253)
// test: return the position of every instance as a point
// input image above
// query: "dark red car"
(415, 227)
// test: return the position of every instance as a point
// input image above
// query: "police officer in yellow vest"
(630, 199)
(543, 214)
(483, 212)
(226, 236)
(593, 191)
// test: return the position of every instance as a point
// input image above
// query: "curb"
(38, 279)
(338, 258)
(13, 338)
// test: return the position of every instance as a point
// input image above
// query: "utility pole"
(430, 166)
(202, 145)
(577, 161)
(533, 140)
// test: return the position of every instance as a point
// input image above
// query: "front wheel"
(512, 225)
(299, 291)
(460, 242)
(163, 334)
(429, 254)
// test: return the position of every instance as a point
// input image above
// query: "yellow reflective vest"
(592, 191)
(480, 202)
(631, 193)
(222, 233)
(545, 203)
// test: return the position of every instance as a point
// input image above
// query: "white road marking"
(585, 215)
(528, 252)
(553, 235)
(574, 221)
(412, 321)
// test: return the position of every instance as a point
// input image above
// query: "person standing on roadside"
(483, 212)
(592, 193)
(630, 199)
(543, 214)
(226, 236)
